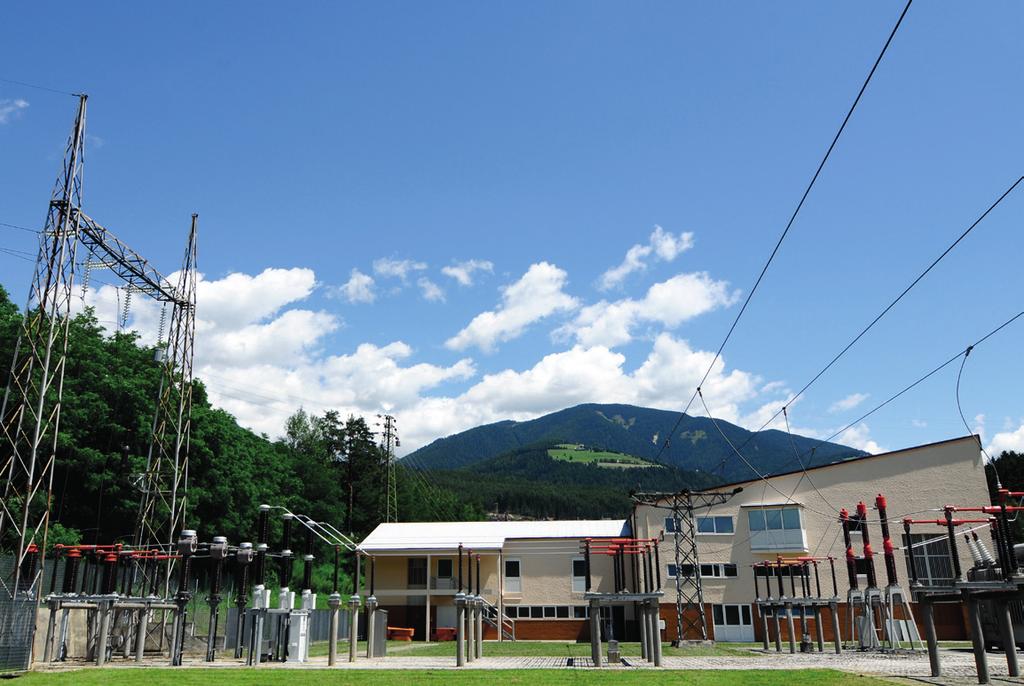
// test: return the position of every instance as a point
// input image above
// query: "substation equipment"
(73, 243)
(469, 612)
(635, 562)
(992, 588)
(808, 604)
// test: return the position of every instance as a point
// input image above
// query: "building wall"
(913, 481)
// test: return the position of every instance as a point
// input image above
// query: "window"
(579, 611)
(417, 568)
(715, 525)
(579, 575)
(562, 611)
(931, 559)
(536, 612)
(776, 529)
(730, 571)
(670, 525)
(549, 611)
(444, 569)
(513, 576)
(726, 570)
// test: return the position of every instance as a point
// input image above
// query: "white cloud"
(859, 437)
(848, 403)
(918, 423)
(1007, 440)
(398, 269)
(662, 244)
(668, 303)
(536, 295)
(463, 271)
(430, 290)
(358, 288)
(10, 109)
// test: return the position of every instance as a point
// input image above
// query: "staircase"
(507, 624)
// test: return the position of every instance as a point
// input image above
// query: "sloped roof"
(484, 535)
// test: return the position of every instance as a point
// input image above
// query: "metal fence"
(319, 626)
(17, 623)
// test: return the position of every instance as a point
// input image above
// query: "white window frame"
(579, 583)
(517, 586)
(714, 519)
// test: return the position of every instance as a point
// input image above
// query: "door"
(513, 576)
(733, 623)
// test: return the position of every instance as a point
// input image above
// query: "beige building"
(532, 573)
(796, 514)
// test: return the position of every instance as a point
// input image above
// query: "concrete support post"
(656, 632)
(103, 634)
(141, 627)
(371, 624)
(765, 638)
(837, 638)
(977, 640)
(334, 603)
(776, 609)
(479, 627)
(819, 629)
(470, 628)
(792, 629)
(595, 633)
(51, 630)
(460, 629)
(930, 637)
(645, 630)
(353, 626)
(1009, 644)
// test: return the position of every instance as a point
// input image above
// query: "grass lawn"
(399, 649)
(600, 457)
(403, 677)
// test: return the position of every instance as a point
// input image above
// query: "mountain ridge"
(697, 445)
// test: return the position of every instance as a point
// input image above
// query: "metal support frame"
(390, 441)
(689, 591)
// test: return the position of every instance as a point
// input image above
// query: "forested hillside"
(640, 431)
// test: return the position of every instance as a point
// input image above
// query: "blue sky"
(540, 142)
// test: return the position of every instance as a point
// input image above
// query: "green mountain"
(697, 444)
(529, 482)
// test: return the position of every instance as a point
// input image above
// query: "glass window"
(716, 610)
(444, 569)
(670, 525)
(562, 611)
(708, 570)
(579, 568)
(746, 614)
(417, 568)
(730, 570)
(705, 525)
(549, 611)
(732, 615)
(791, 518)
(511, 568)
(536, 612)
(579, 611)
(773, 519)
(723, 525)
(755, 519)
(671, 571)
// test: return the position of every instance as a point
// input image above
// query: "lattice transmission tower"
(30, 412)
(390, 441)
(690, 613)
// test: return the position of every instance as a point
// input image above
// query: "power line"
(960, 410)
(788, 226)
(19, 228)
(38, 87)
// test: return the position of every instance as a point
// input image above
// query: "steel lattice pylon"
(689, 592)
(30, 413)
(388, 444)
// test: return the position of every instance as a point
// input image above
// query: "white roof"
(484, 535)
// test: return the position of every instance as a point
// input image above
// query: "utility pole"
(689, 592)
(389, 442)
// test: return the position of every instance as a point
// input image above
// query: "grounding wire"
(38, 87)
(785, 231)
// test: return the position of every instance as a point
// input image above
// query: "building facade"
(533, 575)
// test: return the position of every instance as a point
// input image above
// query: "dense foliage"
(696, 445)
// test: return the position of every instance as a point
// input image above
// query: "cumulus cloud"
(668, 303)
(430, 290)
(358, 289)
(918, 423)
(536, 295)
(663, 245)
(10, 109)
(848, 403)
(859, 436)
(1007, 440)
(397, 269)
(463, 271)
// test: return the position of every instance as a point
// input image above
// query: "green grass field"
(388, 677)
(568, 453)
(551, 649)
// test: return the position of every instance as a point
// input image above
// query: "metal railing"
(507, 624)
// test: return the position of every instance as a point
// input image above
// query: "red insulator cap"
(880, 501)
(887, 546)
(862, 509)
